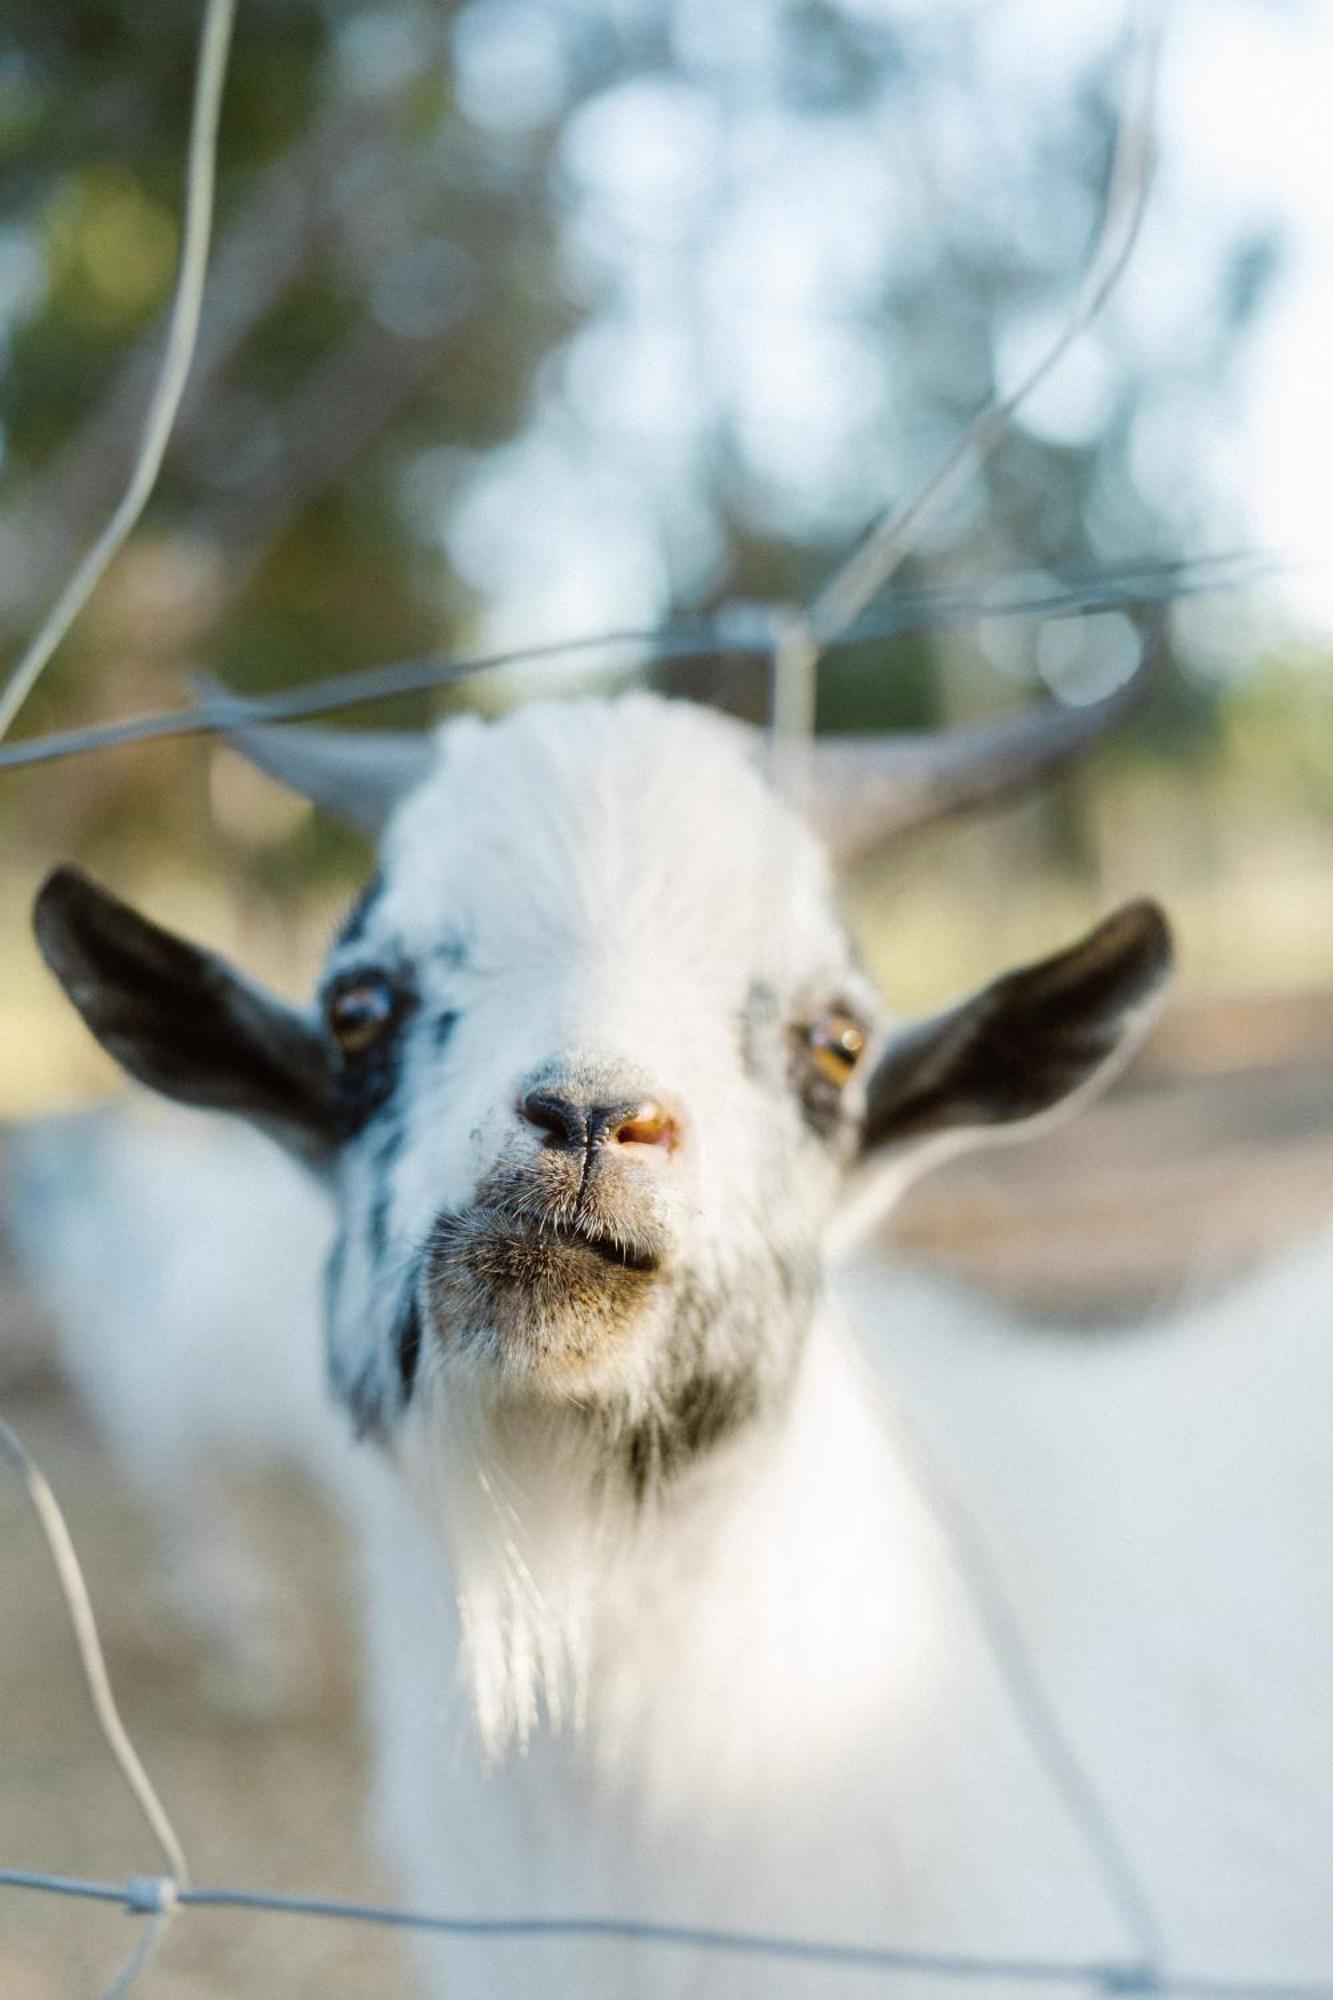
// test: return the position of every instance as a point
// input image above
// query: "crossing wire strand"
(1124, 204)
(92, 1660)
(201, 174)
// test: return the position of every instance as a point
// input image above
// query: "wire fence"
(159, 1899)
(792, 640)
(794, 636)
(740, 631)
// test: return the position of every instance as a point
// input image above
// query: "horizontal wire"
(745, 631)
(143, 1895)
(77, 1886)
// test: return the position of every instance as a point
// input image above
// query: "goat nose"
(633, 1122)
(565, 1121)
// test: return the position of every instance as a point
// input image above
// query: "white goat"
(666, 1621)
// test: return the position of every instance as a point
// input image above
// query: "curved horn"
(865, 790)
(357, 775)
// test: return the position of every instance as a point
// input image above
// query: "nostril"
(647, 1124)
(570, 1122)
(565, 1121)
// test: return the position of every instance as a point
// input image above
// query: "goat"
(663, 1621)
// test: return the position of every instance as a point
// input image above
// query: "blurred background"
(537, 319)
(532, 320)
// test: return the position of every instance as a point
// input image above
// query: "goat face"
(592, 1063)
(587, 1145)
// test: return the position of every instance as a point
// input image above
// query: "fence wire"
(792, 640)
(201, 174)
(158, 1899)
(144, 1895)
(738, 631)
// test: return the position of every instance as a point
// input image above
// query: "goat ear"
(181, 1020)
(1030, 1042)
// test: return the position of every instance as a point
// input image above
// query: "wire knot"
(152, 1895)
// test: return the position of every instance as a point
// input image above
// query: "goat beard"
(555, 1514)
(530, 1532)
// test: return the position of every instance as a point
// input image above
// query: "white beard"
(708, 1711)
(768, 1704)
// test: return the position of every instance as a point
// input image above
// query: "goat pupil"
(836, 1042)
(358, 1014)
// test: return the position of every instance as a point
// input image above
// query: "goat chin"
(766, 1701)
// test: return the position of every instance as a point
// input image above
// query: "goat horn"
(866, 790)
(357, 775)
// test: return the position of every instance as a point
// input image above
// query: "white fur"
(790, 1718)
(793, 1718)
(588, 883)
(764, 1699)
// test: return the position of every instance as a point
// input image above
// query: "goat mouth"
(538, 1253)
(516, 1249)
(617, 1250)
(544, 1299)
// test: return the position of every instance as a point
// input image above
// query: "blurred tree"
(541, 315)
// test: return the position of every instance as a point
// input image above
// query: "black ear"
(1022, 1045)
(181, 1020)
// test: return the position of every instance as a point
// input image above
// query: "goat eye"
(836, 1043)
(359, 1012)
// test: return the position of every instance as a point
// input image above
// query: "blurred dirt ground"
(273, 1803)
(1215, 1149)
